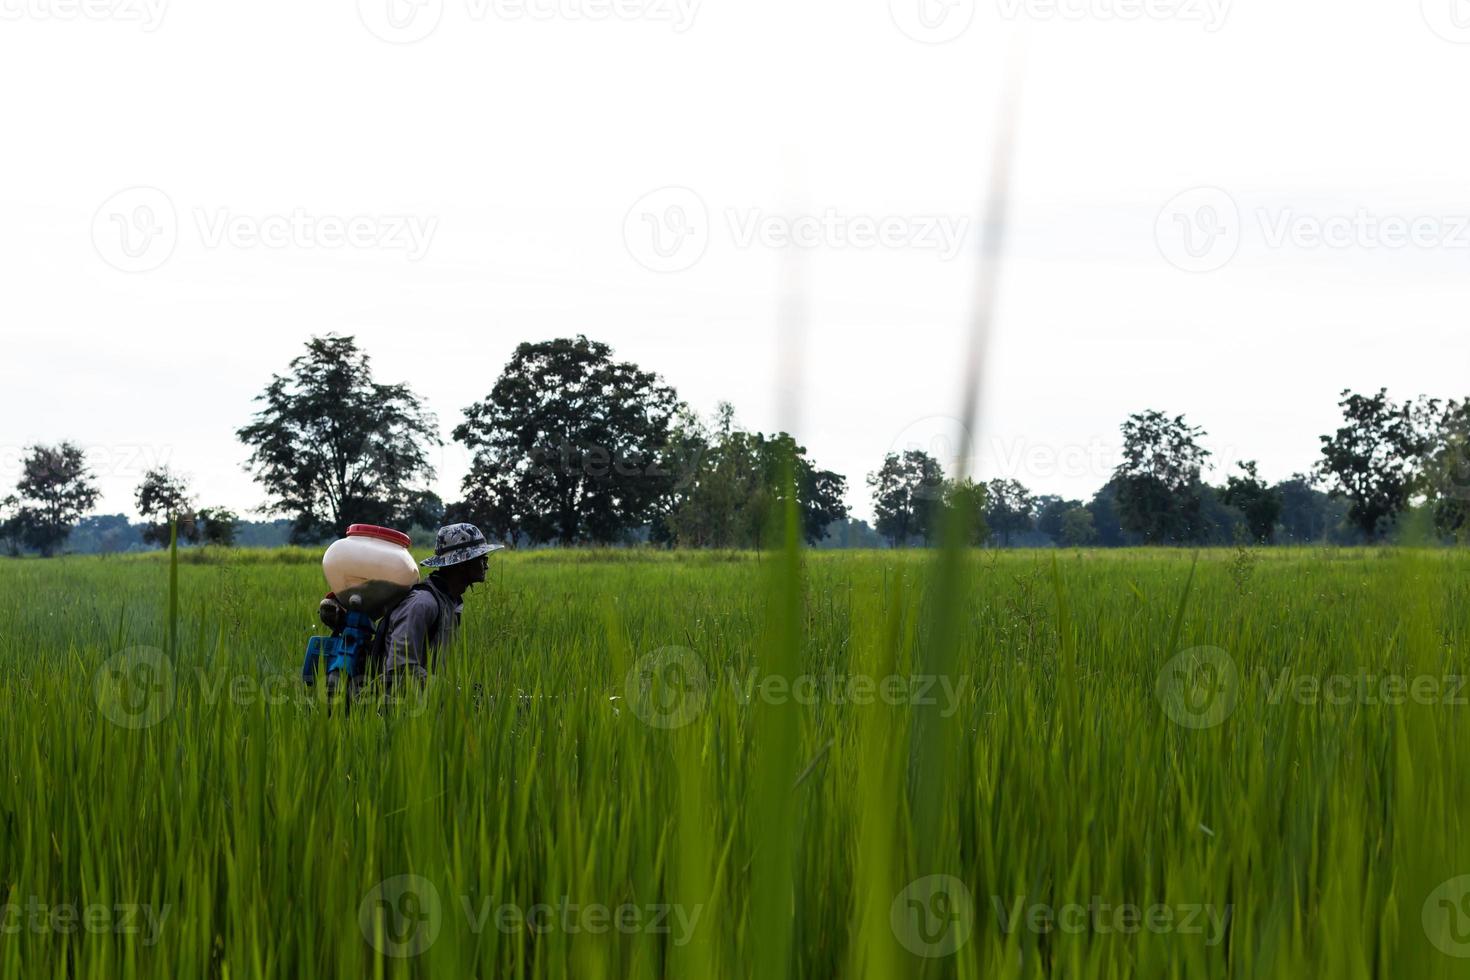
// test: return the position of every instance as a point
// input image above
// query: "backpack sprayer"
(369, 572)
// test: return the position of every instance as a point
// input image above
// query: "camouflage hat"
(457, 544)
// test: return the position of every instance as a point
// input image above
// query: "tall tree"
(55, 491)
(333, 447)
(967, 500)
(1446, 474)
(218, 526)
(1258, 502)
(570, 446)
(1158, 482)
(1373, 459)
(906, 490)
(740, 478)
(1009, 509)
(1105, 518)
(1078, 530)
(1050, 510)
(162, 499)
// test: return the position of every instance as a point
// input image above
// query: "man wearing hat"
(424, 624)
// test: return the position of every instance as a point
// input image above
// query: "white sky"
(523, 147)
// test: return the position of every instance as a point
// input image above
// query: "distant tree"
(1218, 523)
(163, 499)
(333, 447)
(1446, 470)
(1373, 459)
(906, 490)
(849, 533)
(740, 478)
(1008, 509)
(1105, 520)
(1050, 510)
(1158, 482)
(12, 527)
(1078, 530)
(968, 500)
(218, 526)
(104, 534)
(1309, 515)
(570, 446)
(55, 491)
(1258, 502)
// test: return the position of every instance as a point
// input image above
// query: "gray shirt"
(418, 628)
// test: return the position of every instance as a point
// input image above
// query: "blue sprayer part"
(346, 651)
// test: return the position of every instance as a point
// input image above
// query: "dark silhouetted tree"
(1158, 485)
(218, 526)
(967, 500)
(1009, 509)
(1077, 529)
(1374, 458)
(1446, 472)
(162, 499)
(333, 447)
(1259, 503)
(55, 491)
(907, 490)
(570, 446)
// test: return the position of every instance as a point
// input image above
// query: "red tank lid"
(382, 533)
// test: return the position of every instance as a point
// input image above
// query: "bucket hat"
(458, 543)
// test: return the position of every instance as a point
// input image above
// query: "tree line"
(1388, 461)
(572, 446)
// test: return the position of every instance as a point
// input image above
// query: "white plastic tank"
(371, 562)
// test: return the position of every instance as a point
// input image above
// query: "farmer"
(423, 624)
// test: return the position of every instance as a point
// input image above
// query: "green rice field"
(1077, 764)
